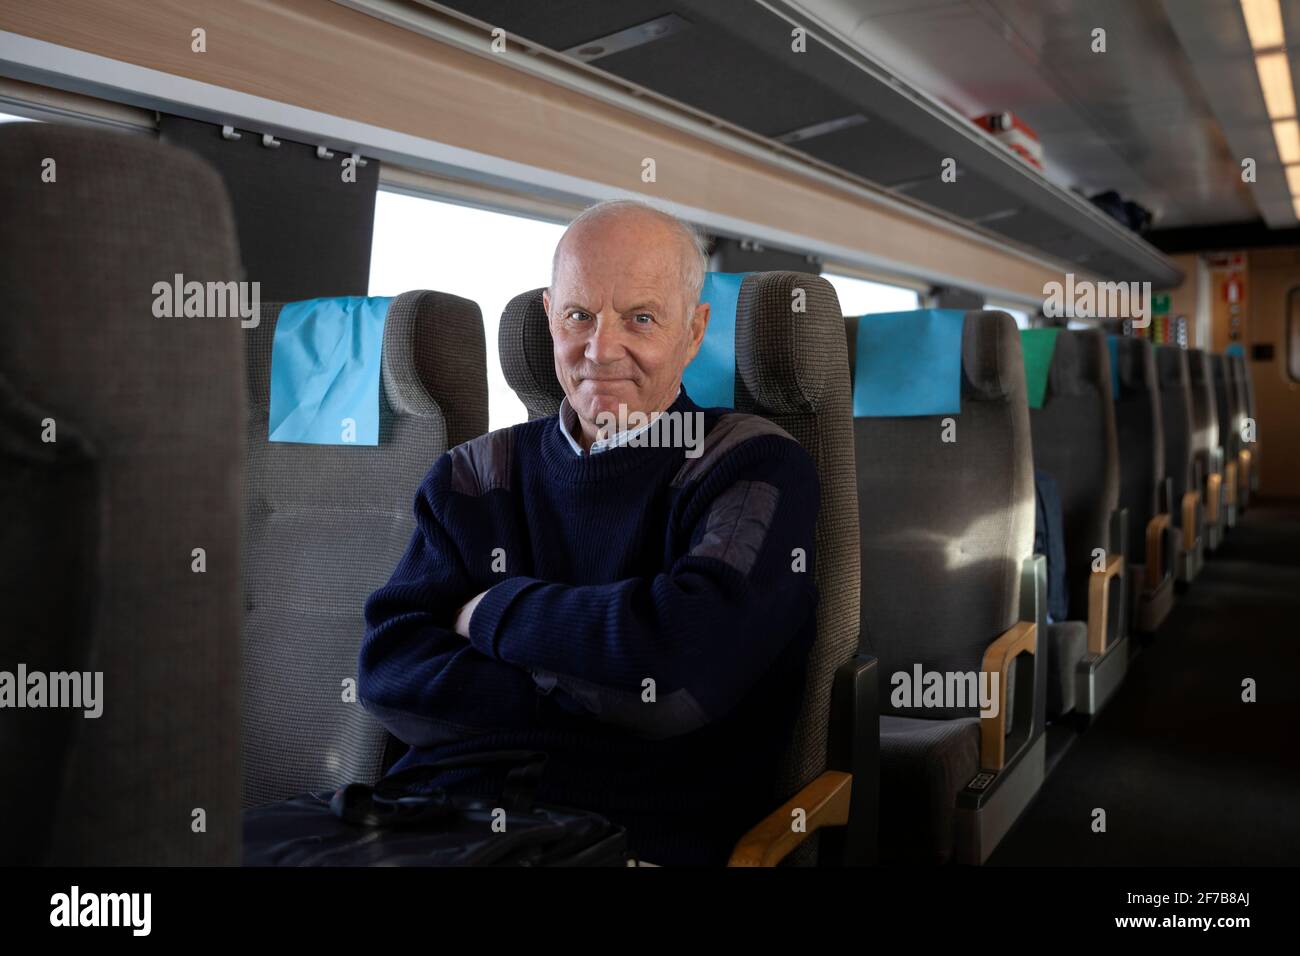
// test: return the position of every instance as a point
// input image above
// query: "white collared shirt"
(569, 422)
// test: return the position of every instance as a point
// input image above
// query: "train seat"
(325, 526)
(1182, 470)
(1143, 488)
(1228, 410)
(1074, 441)
(120, 464)
(1206, 446)
(789, 367)
(950, 586)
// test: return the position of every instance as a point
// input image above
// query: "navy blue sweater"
(647, 620)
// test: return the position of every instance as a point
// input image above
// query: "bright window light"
(6, 118)
(1263, 23)
(1293, 180)
(487, 257)
(861, 297)
(1275, 80)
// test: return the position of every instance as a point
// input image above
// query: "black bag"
(395, 823)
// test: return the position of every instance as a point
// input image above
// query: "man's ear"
(699, 322)
(546, 302)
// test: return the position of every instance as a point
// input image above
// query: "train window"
(1293, 334)
(862, 297)
(488, 257)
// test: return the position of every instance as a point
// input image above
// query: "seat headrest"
(1136, 363)
(1094, 358)
(1171, 365)
(418, 371)
(778, 351)
(1064, 377)
(1220, 366)
(1198, 363)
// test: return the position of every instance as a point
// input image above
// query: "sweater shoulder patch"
(483, 464)
(730, 431)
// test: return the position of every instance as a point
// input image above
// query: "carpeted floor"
(1188, 773)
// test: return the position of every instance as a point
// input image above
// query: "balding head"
(624, 309)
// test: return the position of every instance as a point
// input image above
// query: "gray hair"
(695, 253)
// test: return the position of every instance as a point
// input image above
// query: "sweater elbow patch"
(738, 523)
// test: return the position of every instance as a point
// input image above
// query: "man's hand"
(465, 613)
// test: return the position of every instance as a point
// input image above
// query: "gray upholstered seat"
(326, 525)
(1074, 441)
(1176, 416)
(1206, 444)
(1247, 385)
(946, 527)
(1140, 440)
(1229, 411)
(121, 459)
(1246, 412)
(790, 369)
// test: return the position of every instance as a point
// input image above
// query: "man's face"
(619, 318)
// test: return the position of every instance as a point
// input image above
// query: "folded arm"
(667, 654)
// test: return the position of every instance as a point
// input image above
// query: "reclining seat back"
(1248, 405)
(1074, 441)
(326, 525)
(1176, 420)
(792, 369)
(1246, 448)
(1139, 437)
(120, 458)
(946, 526)
(1205, 440)
(1225, 403)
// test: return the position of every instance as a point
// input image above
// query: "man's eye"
(579, 316)
(644, 318)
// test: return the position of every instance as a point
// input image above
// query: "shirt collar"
(569, 424)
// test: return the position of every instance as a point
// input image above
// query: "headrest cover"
(325, 369)
(1038, 347)
(710, 379)
(909, 364)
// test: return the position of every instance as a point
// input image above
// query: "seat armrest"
(1156, 558)
(1213, 495)
(1099, 586)
(1191, 519)
(1022, 638)
(824, 802)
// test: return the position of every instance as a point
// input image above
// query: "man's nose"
(605, 341)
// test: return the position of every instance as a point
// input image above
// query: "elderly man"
(639, 610)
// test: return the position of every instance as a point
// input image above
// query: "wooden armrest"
(825, 803)
(1230, 481)
(1021, 639)
(1156, 550)
(1243, 471)
(1213, 484)
(1098, 600)
(1191, 501)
